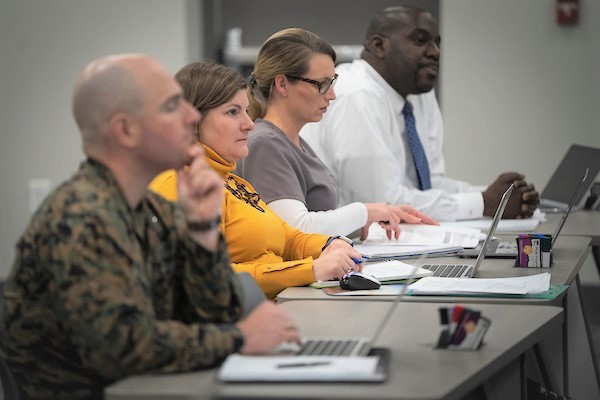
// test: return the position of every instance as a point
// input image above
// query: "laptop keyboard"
(324, 347)
(507, 248)
(446, 271)
(329, 347)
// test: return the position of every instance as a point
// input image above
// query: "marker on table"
(457, 314)
(444, 338)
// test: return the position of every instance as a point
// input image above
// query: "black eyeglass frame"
(322, 86)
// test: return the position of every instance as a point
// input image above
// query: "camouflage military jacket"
(99, 291)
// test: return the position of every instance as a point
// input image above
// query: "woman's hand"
(385, 216)
(336, 262)
(411, 215)
(388, 217)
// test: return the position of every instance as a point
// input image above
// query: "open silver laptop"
(469, 271)
(331, 346)
(506, 249)
(316, 352)
(555, 196)
(357, 346)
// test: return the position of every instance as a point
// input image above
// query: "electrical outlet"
(38, 190)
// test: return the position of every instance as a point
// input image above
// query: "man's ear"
(280, 84)
(378, 45)
(124, 130)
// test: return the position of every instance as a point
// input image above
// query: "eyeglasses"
(323, 86)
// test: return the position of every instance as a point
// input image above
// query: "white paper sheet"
(375, 251)
(505, 225)
(515, 285)
(425, 235)
(391, 270)
(241, 368)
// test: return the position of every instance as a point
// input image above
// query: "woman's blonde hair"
(286, 52)
(207, 85)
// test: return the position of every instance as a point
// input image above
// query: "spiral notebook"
(385, 271)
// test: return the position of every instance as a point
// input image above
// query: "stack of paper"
(416, 240)
(387, 251)
(384, 271)
(505, 225)
(425, 235)
(519, 285)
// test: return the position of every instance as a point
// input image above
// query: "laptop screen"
(490, 234)
(568, 174)
(576, 194)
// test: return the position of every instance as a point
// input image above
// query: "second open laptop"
(348, 346)
(357, 346)
(506, 249)
(555, 196)
(469, 271)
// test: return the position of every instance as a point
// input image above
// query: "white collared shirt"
(362, 140)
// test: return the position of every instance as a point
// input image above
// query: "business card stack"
(461, 328)
(535, 250)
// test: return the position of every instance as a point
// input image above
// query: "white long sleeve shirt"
(341, 221)
(296, 184)
(362, 140)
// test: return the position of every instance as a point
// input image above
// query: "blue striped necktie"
(419, 157)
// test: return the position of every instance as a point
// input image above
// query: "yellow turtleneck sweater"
(259, 242)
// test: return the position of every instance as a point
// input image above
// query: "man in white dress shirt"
(363, 136)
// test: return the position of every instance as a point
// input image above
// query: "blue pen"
(357, 260)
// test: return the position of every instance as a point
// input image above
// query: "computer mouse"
(359, 281)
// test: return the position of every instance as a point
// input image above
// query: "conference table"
(573, 370)
(416, 369)
(562, 340)
(579, 223)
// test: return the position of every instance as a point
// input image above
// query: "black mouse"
(359, 281)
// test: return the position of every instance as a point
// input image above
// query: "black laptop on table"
(504, 249)
(557, 193)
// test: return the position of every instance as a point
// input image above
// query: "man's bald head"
(105, 87)
(391, 20)
(133, 119)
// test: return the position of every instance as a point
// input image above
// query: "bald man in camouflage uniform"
(111, 280)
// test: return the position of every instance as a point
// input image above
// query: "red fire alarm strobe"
(567, 12)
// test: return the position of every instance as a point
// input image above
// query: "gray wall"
(341, 22)
(43, 46)
(516, 89)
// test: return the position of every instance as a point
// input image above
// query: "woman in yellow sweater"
(259, 242)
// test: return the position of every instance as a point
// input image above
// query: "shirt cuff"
(361, 209)
(470, 205)
(236, 335)
(340, 237)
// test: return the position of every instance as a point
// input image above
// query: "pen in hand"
(304, 364)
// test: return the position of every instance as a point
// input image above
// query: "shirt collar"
(395, 98)
(218, 163)
(106, 186)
